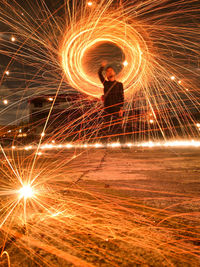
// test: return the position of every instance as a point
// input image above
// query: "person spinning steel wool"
(113, 99)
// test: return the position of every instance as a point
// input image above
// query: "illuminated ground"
(158, 185)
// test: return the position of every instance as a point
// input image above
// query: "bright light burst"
(26, 192)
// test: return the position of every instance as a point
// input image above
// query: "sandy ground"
(158, 180)
(171, 170)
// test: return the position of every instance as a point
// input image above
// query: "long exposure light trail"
(88, 35)
(172, 143)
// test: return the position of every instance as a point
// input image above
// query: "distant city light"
(198, 126)
(69, 145)
(172, 78)
(97, 145)
(179, 82)
(42, 134)
(115, 145)
(5, 101)
(129, 144)
(89, 3)
(13, 39)
(50, 98)
(178, 143)
(175, 143)
(151, 121)
(28, 148)
(7, 72)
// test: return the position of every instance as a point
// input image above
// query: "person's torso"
(112, 93)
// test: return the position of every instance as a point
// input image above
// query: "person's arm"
(100, 73)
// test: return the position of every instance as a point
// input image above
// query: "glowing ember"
(26, 192)
(89, 3)
(125, 63)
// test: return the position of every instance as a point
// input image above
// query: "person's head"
(110, 73)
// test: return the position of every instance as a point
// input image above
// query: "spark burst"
(26, 192)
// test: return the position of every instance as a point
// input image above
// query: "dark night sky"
(12, 87)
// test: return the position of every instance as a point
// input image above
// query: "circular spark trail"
(88, 34)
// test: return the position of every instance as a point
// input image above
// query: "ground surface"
(141, 207)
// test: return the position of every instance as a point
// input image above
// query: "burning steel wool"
(67, 196)
(26, 192)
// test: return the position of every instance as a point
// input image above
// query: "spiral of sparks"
(86, 34)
